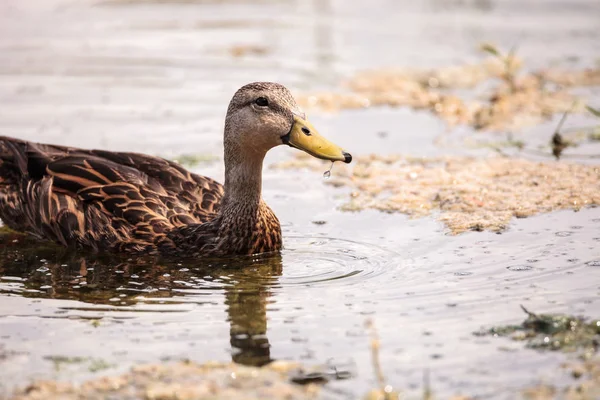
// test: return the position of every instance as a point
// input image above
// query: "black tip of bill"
(347, 158)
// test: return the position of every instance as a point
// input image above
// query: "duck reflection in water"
(48, 271)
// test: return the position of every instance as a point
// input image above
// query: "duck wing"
(203, 194)
(99, 199)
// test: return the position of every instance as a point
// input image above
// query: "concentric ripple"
(311, 261)
(306, 261)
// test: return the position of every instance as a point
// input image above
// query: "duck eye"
(262, 102)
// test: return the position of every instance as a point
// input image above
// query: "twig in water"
(384, 390)
(558, 143)
(427, 393)
(375, 355)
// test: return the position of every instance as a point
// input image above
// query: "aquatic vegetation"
(60, 361)
(553, 332)
(560, 332)
(513, 100)
(469, 193)
(559, 141)
(93, 364)
(193, 160)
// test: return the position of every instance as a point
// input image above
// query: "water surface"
(156, 77)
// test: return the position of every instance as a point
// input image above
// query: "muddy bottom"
(156, 76)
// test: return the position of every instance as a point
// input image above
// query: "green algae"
(93, 364)
(193, 160)
(555, 332)
(60, 361)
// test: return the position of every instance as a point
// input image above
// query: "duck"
(136, 204)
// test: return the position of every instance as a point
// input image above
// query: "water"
(310, 303)
(156, 77)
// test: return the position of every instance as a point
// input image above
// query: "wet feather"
(119, 202)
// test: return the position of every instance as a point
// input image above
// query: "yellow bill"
(305, 137)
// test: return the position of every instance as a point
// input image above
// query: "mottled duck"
(139, 204)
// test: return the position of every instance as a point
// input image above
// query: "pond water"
(156, 77)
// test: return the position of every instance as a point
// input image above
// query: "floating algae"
(193, 160)
(560, 332)
(553, 332)
(470, 193)
(183, 380)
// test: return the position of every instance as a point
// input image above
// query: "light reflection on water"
(246, 285)
(309, 303)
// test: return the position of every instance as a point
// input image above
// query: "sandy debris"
(181, 381)
(470, 193)
(513, 100)
(586, 386)
(243, 50)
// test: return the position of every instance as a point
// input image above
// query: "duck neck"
(243, 179)
(246, 224)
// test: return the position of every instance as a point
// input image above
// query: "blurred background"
(156, 75)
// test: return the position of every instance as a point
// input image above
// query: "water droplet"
(327, 173)
(520, 268)
(593, 263)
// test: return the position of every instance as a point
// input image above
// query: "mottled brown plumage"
(135, 203)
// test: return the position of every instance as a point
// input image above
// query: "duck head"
(263, 115)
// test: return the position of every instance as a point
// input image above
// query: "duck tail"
(13, 160)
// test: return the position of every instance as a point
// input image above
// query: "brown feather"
(105, 201)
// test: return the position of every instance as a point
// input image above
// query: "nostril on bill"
(306, 131)
(347, 157)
